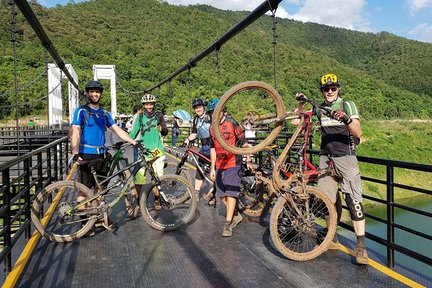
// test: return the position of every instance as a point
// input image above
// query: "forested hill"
(387, 76)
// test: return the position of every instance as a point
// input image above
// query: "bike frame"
(195, 155)
(136, 165)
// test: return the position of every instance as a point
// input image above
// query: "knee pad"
(355, 208)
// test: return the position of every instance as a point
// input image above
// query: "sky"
(411, 19)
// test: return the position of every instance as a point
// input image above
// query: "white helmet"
(148, 98)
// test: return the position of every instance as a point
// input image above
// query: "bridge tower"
(108, 72)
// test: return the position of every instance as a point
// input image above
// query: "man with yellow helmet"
(340, 134)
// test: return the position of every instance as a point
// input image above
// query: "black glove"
(341, 116)
(75, 157)
(119, 144)
(300, 97)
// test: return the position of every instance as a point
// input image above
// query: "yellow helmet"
(329, 79)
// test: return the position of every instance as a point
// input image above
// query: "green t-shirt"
(149, 133)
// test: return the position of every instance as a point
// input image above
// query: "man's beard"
(93, 102)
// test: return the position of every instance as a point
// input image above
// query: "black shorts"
(85, 176)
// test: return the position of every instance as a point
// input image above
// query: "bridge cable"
(28, 13)
(14, 40)
(254, 15)
(275, 37)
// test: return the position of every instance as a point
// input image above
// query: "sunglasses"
(327, 89)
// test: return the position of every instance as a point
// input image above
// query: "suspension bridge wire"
(32, 101)
(45, 41)
(127, 91)
(25, 86)
(267, 5)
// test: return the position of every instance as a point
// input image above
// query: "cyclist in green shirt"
(151, 126)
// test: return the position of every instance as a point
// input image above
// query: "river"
(402, 238)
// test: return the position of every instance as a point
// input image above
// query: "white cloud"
(422, 32)
(338, 13)
(417, 5)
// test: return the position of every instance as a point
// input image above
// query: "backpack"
(90, 113)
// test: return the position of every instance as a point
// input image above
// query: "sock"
(360, 241)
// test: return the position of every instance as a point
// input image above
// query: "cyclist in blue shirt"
(88, 133)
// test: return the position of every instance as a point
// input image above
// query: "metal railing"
(21, 179)
(29, 174)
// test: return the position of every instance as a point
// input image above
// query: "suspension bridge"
(134, 255)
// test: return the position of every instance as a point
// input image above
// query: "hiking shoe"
(227, 230)
(361, 256)
(334, 245)
(157, 205)
(236, 220)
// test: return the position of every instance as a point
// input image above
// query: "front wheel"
(257, 108)
(172, 213)
(131, 196)
(56, 214)
(302, 224)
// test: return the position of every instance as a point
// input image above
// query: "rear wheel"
(306, 235)
(257, 107)
(250, 200)
(55, 213)
(172, 213)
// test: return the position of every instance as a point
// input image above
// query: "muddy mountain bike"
(58, 216)
(202, 163)
(303, 219)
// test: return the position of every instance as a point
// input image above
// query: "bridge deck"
(197, 255)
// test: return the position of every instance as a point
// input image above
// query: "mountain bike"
(202, 164)
(58, 216)
(303, 219)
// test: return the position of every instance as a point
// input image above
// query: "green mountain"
(387, 76)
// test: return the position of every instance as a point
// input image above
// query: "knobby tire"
(280, 112)
(46, 215)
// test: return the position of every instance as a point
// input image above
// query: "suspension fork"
(182, 162)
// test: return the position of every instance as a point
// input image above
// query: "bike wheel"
(250, 201)
(55, 215)
(172, 213)
(303, 236)
(247, 103)
(131, 196)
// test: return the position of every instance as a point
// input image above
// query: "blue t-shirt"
(93, 131)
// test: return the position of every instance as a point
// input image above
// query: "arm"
(213, 164)
(355, 128)
(135, 127)
(162, 123)
(76, 137)
(122, 134)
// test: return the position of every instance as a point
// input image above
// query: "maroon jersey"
(234, 135)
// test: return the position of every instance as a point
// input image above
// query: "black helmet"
(94, 85)
(197, 102)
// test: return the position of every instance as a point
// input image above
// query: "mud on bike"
(58, 216)
(202, 164)
(303, 219)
